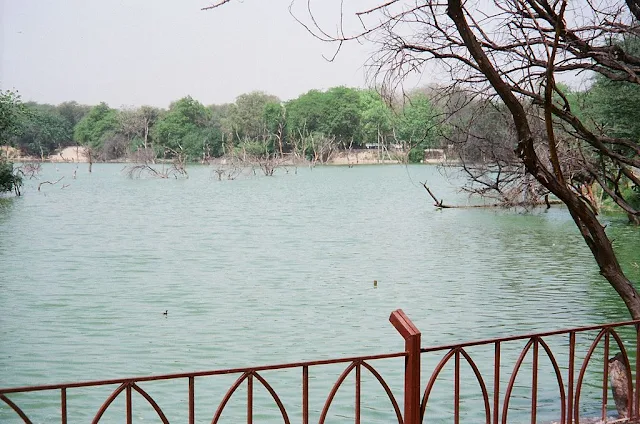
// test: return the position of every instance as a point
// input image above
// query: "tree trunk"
(90, 157)
(590, 228)
(619, 384)
(146, 135)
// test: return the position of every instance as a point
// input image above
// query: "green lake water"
(266, 270)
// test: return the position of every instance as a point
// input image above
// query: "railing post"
(411, 336)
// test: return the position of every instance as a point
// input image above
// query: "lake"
(275, 269)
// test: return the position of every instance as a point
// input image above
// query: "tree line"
(310, 126)
(476, 131)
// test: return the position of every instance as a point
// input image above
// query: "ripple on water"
(270, 270)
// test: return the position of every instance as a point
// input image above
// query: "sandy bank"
(70, 154)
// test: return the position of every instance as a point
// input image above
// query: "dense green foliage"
(259, 124)
(96, 129)
(615, 107)
(185, 129)
(11, 113)
(10, 180)
(43, 130)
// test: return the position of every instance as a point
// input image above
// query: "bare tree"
(511, 52)
(230, 170)
(168, 168)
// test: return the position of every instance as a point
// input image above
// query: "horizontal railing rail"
(496, 387)
(210, 373)
(570, 375)
(250, 375)
(481, 342)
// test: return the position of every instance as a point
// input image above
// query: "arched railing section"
(249, 376)
(604, 336)
(128, 387)
(358, 365)
(456, 353)
(535, 342)
(16, 408)
(568, 344)
(416, 397)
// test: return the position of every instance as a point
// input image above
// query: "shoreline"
(76, 155)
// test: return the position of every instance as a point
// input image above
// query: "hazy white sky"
(135, 52)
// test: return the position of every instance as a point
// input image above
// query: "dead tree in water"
(49, 182)
(176, 169)
(231, 169)
(30, 169)
(506, 204)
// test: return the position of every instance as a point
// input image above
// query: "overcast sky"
(135, 52)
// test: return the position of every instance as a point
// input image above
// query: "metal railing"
(569, 389)
(416, 397)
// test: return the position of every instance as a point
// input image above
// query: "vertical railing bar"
(534, 382)
(63, 405)
(636, 410)
(605, 376)
(456, 390)
(305, 394)
(411, 336)
(129, 406)
(572, 353)
(250, 399)
(192, 400)
(358, 377)
(496, 384)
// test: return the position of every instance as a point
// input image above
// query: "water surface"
(269, 270)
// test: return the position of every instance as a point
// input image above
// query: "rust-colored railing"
(569, 389)
(416, 396)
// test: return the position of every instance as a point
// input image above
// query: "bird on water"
(165, 313)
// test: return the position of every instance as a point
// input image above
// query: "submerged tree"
(511, 53)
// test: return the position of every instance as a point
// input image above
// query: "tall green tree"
(335, 112)
(12, 110)
(306, 113)
(342, 109)
(9, 179)
(417, 126)
(247, 115)
(376, 118)
(73, 112)
(614, 107)
(42, 130)
(185, 130)
(94, 129)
